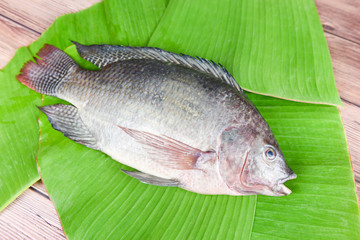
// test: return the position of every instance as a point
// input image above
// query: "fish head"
(252, 163)
(265, 170)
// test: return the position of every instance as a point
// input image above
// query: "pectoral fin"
(66, 119)
(170, 152)
(150, 179)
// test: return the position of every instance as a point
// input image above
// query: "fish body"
(179, 121)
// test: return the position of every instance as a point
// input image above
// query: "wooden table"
(33, 216)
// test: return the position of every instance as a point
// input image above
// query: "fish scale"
(178, 120)
(183, 99)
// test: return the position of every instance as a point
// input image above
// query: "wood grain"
(33, 216)
(39, 14)
(341, 18)
(30, 216)
(341, 23)
(11, 40)
(23, 21)
(346, 64)
(40, 188)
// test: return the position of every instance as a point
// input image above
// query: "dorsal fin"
(102, 55)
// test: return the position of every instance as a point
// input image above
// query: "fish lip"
(291, 176)
(281, 190)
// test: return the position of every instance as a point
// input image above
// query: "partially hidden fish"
(180, 121)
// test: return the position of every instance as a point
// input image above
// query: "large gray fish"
(180, 121)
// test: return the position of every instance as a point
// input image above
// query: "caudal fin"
(45, 75)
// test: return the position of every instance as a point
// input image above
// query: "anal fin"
(151, 179)
(66, 119)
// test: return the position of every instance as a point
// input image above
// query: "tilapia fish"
(179, 121)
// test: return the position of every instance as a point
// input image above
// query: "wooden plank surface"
(340, 18)
(12, 39)
(33, 216)
(30, 216)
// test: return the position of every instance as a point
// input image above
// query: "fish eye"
(270, 153)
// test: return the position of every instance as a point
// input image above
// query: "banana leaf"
(95, 200)
(19, 139)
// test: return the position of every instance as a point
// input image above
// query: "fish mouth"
(291, 176)
(280, 189)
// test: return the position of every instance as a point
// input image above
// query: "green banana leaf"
(19, 139)
(95, 200)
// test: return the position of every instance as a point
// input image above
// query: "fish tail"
(48, 72)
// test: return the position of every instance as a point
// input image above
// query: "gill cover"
(234, 148)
